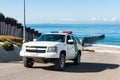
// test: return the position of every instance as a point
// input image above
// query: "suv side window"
(74, 39)
(78, 40)
(68, 38)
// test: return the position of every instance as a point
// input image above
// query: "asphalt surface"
(94, 66)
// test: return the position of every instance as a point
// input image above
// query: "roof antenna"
(24, 23)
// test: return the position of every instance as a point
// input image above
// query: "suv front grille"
(36, 49)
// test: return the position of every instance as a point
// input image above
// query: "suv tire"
(60, 63)
(77, 59)
(28, 62)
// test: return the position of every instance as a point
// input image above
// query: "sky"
(63, 11)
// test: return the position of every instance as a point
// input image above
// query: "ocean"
(111, 31)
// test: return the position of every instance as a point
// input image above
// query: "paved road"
(94, 66)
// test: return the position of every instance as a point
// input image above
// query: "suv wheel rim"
(62, 61)
(78, 58)
(30, 63)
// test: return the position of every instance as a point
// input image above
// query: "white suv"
(52, 47)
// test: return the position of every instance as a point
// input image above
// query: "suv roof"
(58, 33)
(61, 32)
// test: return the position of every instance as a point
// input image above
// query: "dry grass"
(14, 40)
(10, 38)
(0, 45)
(89, 50)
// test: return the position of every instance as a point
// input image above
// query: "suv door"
(70, 49)
(75, 46)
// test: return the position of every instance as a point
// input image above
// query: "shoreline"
(104, 45)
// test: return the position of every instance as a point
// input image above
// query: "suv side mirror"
(70, 41)
(80, 41)
(34, 39)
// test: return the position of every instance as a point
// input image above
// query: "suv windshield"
(52, 37)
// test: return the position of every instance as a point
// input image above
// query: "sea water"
(111, 31)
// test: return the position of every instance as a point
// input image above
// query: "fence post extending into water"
(92, 39)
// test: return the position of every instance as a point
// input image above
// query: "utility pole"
(24, 22)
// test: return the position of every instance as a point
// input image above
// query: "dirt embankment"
(8, 56)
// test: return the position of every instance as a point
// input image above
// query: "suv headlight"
(52, 49)
(23, 48)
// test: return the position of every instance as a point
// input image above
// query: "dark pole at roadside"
(24, 22)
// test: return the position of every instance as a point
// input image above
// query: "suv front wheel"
(77, 59)
(60, 63)
(28, 62)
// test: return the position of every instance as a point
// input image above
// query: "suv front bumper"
(40, 55)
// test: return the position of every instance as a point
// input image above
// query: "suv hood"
(42, 43)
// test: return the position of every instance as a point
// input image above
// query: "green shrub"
(8, 46)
